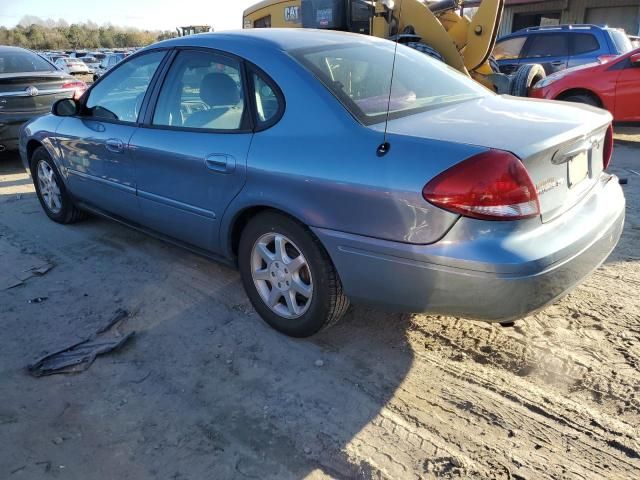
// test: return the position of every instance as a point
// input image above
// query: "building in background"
(519, 14)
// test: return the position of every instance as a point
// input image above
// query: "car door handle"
(220, 162)
(557, 63)
(115, 145)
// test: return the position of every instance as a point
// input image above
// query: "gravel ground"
(206, 390)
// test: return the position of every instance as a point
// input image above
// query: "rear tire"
(582, 98)
(50, 189)
(426, 49)
(264, 274)
(526, 77)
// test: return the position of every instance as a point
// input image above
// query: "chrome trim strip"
(23, 93)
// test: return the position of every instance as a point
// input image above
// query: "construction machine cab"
(344, 15)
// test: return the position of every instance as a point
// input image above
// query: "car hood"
(523, 126)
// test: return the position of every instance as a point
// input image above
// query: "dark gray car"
(29, 85)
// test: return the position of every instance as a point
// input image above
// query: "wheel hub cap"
(281, 275)
(49, 189)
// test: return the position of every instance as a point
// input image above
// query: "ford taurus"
(299, 158)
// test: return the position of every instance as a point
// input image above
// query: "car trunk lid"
(32, 92)
(560, 145)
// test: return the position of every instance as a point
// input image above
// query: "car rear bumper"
(10, 130)
(493, 271)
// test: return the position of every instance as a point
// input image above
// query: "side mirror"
(635, 59)
(65, 107)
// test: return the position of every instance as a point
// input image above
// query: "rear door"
(191, 153)
(507, 53)
(584, 48)
(551, 50)
(627, 106)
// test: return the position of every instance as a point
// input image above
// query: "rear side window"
(268, 104)
(509, 49)
(621, 41)
(547, 45)
(584, 43)
(203, 90)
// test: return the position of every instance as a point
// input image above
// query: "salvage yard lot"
(206, 390)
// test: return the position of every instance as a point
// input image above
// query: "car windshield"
(622, 41)
(23, 61)
(359, 75)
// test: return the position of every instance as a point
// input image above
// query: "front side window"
(621, 40)
(359, 75)
(509, 49)
(202, 90)
(548, 45)
(119, 95)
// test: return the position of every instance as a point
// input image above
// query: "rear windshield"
(622, 41)
(359, 75)
(16, 61)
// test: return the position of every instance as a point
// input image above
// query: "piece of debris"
(38, 299)
(58, 440)
(319, 363)
(307, 450)
(79, 356)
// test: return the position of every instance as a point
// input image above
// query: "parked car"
(559, 47)
(108, 62)
(29, 85)
(92, 63)
(72, 66)
(268, 149)
(614, 85)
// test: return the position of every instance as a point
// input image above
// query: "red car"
(613, 84)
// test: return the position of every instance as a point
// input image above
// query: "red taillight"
(607, 149)
(77, 85)
(493, 185)
(606, 58)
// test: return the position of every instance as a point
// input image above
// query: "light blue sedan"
(270, 150)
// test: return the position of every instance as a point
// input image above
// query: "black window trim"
(250, 122)
(143, 106)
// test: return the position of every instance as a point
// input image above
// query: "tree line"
(37, 34)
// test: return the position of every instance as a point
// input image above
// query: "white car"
(73, 66)
(91, 62)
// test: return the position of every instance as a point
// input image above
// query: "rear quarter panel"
(321, 166)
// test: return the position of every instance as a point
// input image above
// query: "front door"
(551, 50)
(95, 144)
(191, 153)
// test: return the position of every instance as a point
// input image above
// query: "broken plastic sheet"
(79, 356)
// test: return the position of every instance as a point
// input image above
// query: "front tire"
(288, 276)
(52, 194)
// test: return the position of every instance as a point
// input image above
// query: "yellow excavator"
(439, 29)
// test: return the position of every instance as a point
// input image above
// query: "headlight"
(546, 81)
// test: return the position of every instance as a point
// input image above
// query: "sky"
(143, 14)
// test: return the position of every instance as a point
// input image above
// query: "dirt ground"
(205, 390)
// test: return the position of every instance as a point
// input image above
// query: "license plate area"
(578, 168)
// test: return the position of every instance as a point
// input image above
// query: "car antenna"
(385, 146)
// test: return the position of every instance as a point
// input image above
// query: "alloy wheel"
(49, 188)
(281, 275)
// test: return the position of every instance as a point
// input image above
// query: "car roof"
(285, 39)
(7, 49)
